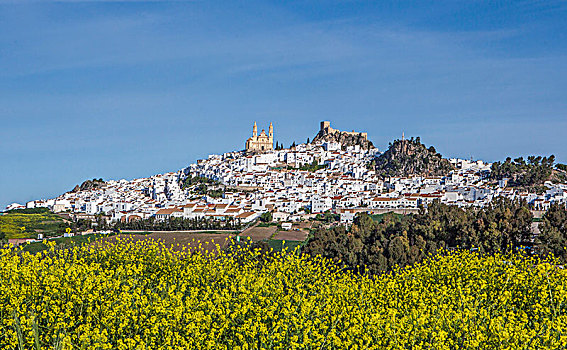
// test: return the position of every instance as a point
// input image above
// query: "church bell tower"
(260, 142)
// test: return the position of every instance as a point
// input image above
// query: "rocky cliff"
(344, 138)
(89, 185)
(411, 157)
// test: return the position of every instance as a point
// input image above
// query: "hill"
(411, 157)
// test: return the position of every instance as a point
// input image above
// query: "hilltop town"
(294, 184)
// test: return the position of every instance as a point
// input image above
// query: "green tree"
(266, 217)
(530, 174)
(553, 236)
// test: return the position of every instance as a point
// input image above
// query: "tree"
(307, 140)
(399, 251)
(266, 217)
(553, 236)
(530, 174)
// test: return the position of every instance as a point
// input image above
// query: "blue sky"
(125, 89)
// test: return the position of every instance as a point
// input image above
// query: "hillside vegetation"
(200, 185)
(143, 295)
(528, 173)
(411, 157)
(20, 224)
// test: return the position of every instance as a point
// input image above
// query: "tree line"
(178, 224)
(524, 172)
(370, 246)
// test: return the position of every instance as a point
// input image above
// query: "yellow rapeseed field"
(141, 295)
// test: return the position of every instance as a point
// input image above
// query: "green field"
(24, 225)
(63, 242)
(279, 245)
(214, 232)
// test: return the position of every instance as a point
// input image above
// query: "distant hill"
(411, 157)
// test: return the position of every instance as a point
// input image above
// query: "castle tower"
(271, 133)
(255, 130)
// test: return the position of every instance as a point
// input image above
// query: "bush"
(266, 217)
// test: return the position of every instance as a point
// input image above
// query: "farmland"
(125, 294)
(20, 224)
(176, 240)
(63, 242)
(259, 233)
(179, 240)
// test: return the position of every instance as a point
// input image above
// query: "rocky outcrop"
(411, 157)
(345, 138)
(89, 185)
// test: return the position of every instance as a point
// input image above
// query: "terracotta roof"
(384, 199)
(245, 215)
(167, 211)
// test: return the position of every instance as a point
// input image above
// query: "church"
(262, 142)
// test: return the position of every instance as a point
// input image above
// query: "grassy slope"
(46, 223)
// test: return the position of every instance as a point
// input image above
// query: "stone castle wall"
(326, 129)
